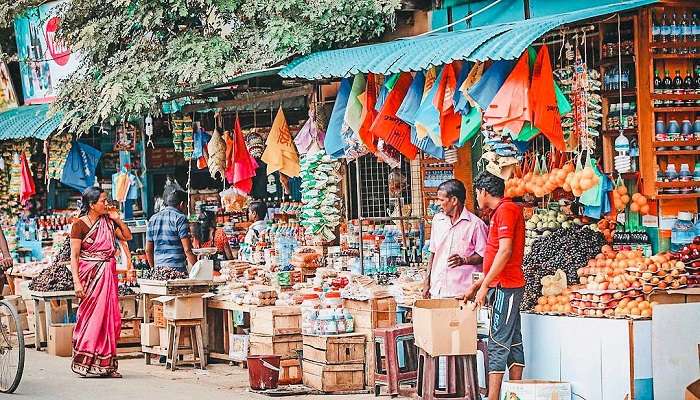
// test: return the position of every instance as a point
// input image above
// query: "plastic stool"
(197, 345)
(396, 358)
(462, 380)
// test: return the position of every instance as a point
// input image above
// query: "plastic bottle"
(339, 317)
(683, 231)
(671, 173)
(309, 313)
(349, 321)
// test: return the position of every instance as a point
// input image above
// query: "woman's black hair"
(91, 196)
(493, 185)
(203, 227)
(259, 208)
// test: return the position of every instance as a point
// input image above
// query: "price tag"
(650, 221)
(621, 217)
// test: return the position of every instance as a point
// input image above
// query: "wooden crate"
(373, 313)
(333, 378)
(340, 349)
(130, 332)
(290, 372)
(273, 321)
(285, 346)
(158, 318)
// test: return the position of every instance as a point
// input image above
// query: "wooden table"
(227, 327)
(47, 297)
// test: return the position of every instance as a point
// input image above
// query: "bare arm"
(6, 256)
(187, 246)
(149, 254)
(505, 250)
(122, 231)
(426, 283)
(75, 245)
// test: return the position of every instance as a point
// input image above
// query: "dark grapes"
(164, 274)
(568, 249)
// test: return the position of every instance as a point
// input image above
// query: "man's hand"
(6, 262)
(455, 261)
(480, 298)
(471, 292)
(426, 289)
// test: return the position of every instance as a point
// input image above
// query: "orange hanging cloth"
(510, 109)
(543, 101)
(280, 153)
(391, 128)
(369, 101)
(450, 121)
(27, 188)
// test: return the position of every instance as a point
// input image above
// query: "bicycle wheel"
(11, 348)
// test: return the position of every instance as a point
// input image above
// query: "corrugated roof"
(494, 42)
(28, 122)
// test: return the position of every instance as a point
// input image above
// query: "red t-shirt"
(507, 221)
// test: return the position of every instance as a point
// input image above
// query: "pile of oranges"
(638, 203)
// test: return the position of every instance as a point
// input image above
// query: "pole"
(526, 9)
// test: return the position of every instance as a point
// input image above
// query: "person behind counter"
(93, 265)
(168, 240)
(257, 211)
(205, 233)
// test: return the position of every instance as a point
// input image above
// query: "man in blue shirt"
(168, 241)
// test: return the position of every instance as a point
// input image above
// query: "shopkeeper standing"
(457, 244)
(503, 281)
(168, 240)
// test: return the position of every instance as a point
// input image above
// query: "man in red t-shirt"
(503, 281)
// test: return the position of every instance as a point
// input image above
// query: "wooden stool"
(394, 367)
(462, 380)
(194, 326)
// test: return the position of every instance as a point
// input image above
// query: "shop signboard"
(8, 97)
(44, 61)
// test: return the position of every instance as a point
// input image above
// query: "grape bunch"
(63, 253)
(164, 274)
(568, 249)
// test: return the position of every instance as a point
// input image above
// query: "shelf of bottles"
(675, 51)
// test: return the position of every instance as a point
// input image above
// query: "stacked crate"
(276, 330)
(334, 364)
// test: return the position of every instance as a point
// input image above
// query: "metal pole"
(359, 214)
(526, 7)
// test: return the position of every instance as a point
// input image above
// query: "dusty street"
(48, 377)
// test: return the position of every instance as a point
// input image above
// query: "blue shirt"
(166, 228)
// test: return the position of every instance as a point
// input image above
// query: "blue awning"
(28, 122)
(494, 42)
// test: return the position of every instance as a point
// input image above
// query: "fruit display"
(607, 226)
(543, 223)
(690, 256)
(555, 304)
(568, 250)
(541, 183)
(56, 278)
(164, 274)
(660, 272)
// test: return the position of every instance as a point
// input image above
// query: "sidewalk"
(48, 377)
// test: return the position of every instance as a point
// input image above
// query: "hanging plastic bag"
(334, 143)
(79, 170)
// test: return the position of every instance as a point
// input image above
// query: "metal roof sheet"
(28, 122)
(494, 42)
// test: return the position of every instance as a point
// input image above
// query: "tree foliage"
(137, 53)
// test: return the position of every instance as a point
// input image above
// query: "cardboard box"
(285, 346)
(444, 327)
(340, 349)
(536, 390)
(276, 320)
(127, 307)
(189, 306)
(333, 378)
(60, 341)
(150, 336)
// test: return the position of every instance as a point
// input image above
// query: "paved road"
(48, 377)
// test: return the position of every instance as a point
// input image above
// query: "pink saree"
(99, 319)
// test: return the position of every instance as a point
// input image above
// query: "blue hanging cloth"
(334, 142)
(484, 91)
(79, 169)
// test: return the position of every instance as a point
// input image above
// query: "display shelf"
(614, 60)
(677, 45)
(678, 153)
(676, 109)
(679, 196)
(680, 143)
(629, 92)
(684, 96)
(675, 56)
(626, 132)
(677, 184)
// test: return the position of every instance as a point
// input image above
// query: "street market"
(336, 224)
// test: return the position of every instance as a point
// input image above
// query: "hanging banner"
(43, 60)
(8, 97)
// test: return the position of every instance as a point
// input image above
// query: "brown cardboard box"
(150, 335)
(60, 340)
(444, 327)
(182, 307)
(692, 392)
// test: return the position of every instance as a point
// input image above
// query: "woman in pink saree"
(93, 239)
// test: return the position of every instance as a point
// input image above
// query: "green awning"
(28, 122)
(494, 42)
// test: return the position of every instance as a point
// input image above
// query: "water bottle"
(683, 231)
